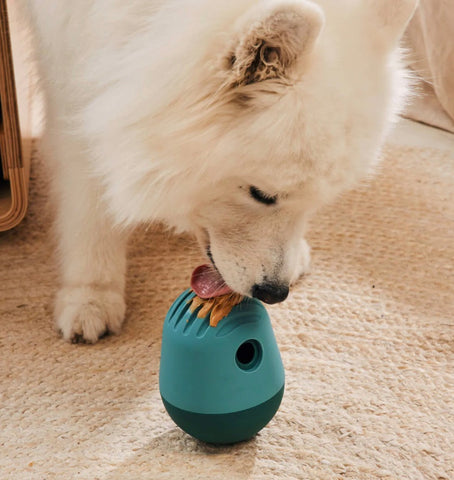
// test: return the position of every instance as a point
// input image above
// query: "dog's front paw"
(84, 314)
(303, 261)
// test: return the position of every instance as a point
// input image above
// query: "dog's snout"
(270, 292)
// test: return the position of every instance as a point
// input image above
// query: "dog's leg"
(303, 261)
(90, 302)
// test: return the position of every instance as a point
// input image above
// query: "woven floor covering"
(367, 341)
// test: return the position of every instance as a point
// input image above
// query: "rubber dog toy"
(220, 384)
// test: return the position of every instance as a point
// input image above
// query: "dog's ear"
(389, 18)
(271, 40)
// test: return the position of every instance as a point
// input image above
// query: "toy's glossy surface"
(223, 384)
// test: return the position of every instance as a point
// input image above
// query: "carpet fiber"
(367, 341)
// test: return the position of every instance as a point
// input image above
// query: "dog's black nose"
(270, 292)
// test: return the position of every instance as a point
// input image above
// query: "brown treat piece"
(217, 307)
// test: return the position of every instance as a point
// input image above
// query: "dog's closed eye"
(262, 197)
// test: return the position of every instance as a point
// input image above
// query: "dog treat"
(216, 307)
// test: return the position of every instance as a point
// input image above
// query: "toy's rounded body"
(223, 384)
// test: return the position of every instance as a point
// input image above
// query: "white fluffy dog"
(232, 119)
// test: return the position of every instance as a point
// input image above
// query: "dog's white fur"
(169, 110)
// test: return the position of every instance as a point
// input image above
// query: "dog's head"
(268, 109)
(301, 108)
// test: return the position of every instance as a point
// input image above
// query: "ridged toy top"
(230, 367)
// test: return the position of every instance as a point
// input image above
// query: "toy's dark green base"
(225, 428)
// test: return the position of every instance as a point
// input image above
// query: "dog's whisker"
(220, 287)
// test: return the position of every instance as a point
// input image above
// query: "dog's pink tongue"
(207, 282)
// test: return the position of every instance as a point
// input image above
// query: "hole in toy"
(249, 355)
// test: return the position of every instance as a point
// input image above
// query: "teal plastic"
(226, 428)
(232, 369)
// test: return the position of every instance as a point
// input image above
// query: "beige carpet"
(367, 341)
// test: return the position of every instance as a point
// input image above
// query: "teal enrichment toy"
(220, 384)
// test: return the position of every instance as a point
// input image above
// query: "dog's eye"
(262, 197)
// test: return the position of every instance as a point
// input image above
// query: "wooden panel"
(10, 144)
(15, 150)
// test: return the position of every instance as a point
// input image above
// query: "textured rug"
(367, 341)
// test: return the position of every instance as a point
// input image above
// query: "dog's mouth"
(207, 281)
